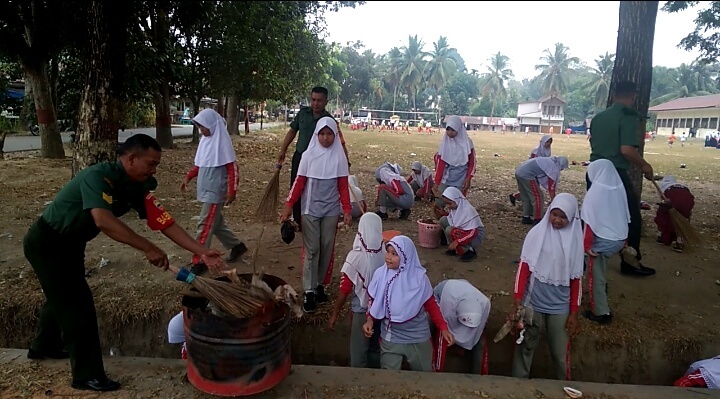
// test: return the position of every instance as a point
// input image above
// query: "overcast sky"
(518, 29)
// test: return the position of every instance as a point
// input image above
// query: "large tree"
(633, 62)
(98, 121)
(706, 36)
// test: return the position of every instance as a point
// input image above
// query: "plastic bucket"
(429, 234)
(388, 235)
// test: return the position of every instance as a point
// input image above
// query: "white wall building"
(682, 114)
(542, 114)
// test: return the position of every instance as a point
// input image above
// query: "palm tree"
(694, 80)
(441, 67)
(393, 63)
(412, 66)
(599, 86)
(555, 68)
(493, 83)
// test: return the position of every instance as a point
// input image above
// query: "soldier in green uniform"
(88, 204)
(614, 136)
(304, 124)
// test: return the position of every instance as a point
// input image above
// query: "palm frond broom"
(267, 208)
(684, 230)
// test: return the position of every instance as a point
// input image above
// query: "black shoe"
(320, 295)
(604, 319)
(468, 256)
(236, 252)
(309, 305)
(404, 214)
(383, 215)
(99, 385)
(642, 271)
(451, 252)
(527, 220)
(198, 269)
(443, 239)
(512, 199)
(37, 355)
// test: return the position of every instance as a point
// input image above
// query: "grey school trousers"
(364, 351)
(418, 356)
(532, 197)
(212, 223)
(319, 241)
(553, 325)
(597, 269)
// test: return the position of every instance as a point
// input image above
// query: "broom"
(683, 228)
(267, 208)
(233, 299)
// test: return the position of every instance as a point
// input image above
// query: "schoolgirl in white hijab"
(217, 181)
(702, 374)
(466, 311)
(455, 162)
(543, 149)
(455, 150)
(552, 170)
(551, 267)
(322, 187)
(463, 227)
(394, 193)
(366, 256)
(400, 294)
(421, 175)
(682, 200)
(606, 216)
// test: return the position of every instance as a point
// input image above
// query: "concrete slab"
(164, 378)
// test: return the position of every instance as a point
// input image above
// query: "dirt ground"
(679, 305)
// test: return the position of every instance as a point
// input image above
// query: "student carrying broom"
(303, 126)
(321, 188)
(54, 245)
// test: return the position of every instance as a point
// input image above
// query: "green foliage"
(706, 35)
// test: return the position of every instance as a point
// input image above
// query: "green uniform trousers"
(67, 319)
(553, 325)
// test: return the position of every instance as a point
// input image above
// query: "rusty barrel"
(237, 357)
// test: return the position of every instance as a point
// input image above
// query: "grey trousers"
(364, 351)
(418, 356)
(319, 241)
(388, 201)
(554, 328)
(598, 283)
(532, 197)
(212, 223)
(445, 224)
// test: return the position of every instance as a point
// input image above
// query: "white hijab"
(355, 191)
(455, 151)
(465, 216)
(319, 162)
(367, 255)
(556, 256)
(387, 176)
(400, 294)
(217, 148)
(669, 181)
(710, 370)
(466, 310)
(424, 173)
(605, 207)
(551, 166)
(541, 151)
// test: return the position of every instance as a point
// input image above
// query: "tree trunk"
(54, 73)
(2, 144)
(247, 117)
(232, 115)
(262, 114)
(633, 62)
(195, 110)
(221, 105)
(163, 121)
(51, 145)
(99, 115)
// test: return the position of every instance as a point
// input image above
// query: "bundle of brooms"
(267, 208)
(684, 230)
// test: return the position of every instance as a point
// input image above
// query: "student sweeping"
(361, 262)
(680, 198)
(464, 230)
(454, 162)
(322, 188)
(356, 196)
(393, 193)
(531, 175)
(548, 285)
(401, 298)
(543, 150)
(606, 216)
(466, 311)
(421, 181)
(217, 181)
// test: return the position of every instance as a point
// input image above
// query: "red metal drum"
(237, 357)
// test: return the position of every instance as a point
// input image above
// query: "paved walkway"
(25, 143)
(163, 378)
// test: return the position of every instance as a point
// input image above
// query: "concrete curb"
(142, 376)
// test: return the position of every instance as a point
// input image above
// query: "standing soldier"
(88, 204)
